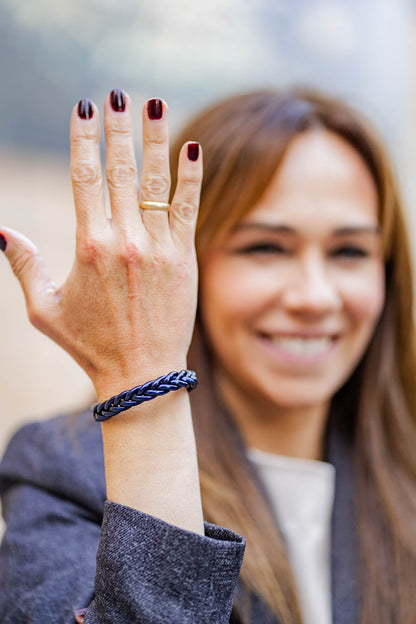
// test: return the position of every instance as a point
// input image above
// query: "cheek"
(230, 295)
(223, 306)
(364, 298)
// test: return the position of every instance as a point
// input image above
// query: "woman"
(304, 349)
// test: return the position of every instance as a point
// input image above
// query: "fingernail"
(79, 615)
(155, 108)
(193, 151)
(3, 243)
(118, 100)
(85, 109)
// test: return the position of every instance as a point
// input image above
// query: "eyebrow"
(358, 229)
(286, 229)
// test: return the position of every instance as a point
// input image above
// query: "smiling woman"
(304, 417)
(304, 346)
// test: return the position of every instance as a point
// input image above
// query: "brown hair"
(244, 138)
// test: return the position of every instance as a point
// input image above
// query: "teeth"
(302, 346)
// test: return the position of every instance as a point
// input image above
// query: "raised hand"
(125, 312)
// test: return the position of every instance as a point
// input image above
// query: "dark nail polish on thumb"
(3, 243)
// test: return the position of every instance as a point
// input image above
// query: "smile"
(301, 346)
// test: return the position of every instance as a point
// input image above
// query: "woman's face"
(291, 299)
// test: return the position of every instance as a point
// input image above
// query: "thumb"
(27, 265)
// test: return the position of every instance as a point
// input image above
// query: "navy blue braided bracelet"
(150, 390)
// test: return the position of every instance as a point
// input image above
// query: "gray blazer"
(67, 548)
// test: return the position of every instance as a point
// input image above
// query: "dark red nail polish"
(155, 109)
(3, 243)
(85, 109)
(193, 151)
(118, 100)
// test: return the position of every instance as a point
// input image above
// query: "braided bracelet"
(150, 390)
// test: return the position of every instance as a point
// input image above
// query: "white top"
(301, 492)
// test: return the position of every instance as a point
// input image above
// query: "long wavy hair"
(244, 139)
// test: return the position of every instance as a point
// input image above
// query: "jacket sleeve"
(66, 549)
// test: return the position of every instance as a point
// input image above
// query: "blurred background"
(189, 52)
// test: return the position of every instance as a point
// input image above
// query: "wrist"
(116, 380)
(175, 380)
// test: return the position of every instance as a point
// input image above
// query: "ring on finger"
(151, 205)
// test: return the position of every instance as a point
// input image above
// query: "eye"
(350, 252)
(263, 248)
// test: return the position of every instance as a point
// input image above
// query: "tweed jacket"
(67, 549)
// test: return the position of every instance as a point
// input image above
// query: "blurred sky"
(191, 51)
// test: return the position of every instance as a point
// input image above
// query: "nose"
(311, 289)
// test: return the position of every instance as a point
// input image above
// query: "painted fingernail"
(79, 615)
(3, 243)
(85, 109)
(193, 151)
(118, 100)
(155, 109)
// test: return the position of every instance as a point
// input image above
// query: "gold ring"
(150, 205)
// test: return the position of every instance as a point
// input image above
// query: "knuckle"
(118, 126)
(84, 134)
(184, 211)
(24, 261)
(153, 256)
(156, 139)
(191, 178)
(91, 250)
(155, 185)
(121, 175)
(185, 271)
(159, 257)
(85, 175)
(130, 252)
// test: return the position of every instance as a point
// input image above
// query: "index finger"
(86, 173)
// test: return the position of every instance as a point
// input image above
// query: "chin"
(297, 395)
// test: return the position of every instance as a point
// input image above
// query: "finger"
(155, 176)
(121, 170)
(30, 270)
(184, 207)
(86, 174)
